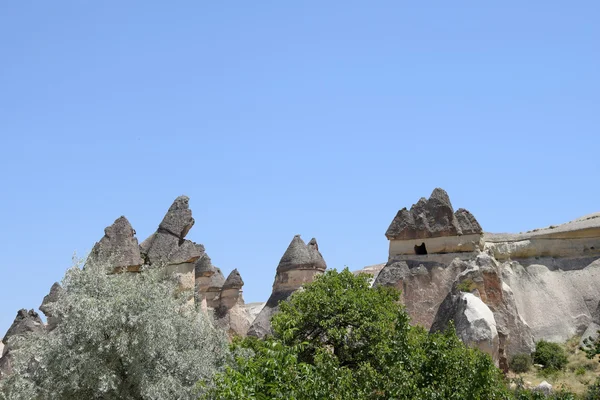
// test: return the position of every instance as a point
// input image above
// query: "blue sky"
(278, 118)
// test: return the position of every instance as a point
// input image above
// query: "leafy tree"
(551, 355)
(338, 339)
(123, 336)
(521, 363)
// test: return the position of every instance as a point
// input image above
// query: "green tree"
(123, 336)
(551, 355)
(338, 339)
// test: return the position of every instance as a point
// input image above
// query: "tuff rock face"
(474, 321)
(540, 284)
(231, 314)
(118, 248)
(46, 306)
(167, 248)
(25, 322)
(298, 266)
(433, 217)
(432, 226)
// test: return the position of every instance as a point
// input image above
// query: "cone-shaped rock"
(433, 217)
(467, 222)
(234, 280)
(46, 306)
(298, 266)
(118, 248)
(432, 226)
(25, 322)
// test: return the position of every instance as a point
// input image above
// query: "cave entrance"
(420, 250)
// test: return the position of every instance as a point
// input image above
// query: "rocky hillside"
(503, 291)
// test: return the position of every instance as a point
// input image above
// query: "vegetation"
(576, 379)
(339, 339)
(520, 363)
(467, 285)
(551, 355)
(124, 336)
(132, 336)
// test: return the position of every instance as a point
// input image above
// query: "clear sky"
(319, 118)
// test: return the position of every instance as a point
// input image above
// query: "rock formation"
(538, 285)
(432, 226)
(46, 306)
(298, 266)
(167, 247)
(474, 321)
(118, 248)
(230, 313)
(25, 322)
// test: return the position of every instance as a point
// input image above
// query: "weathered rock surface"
(118, 248)
(544, 387)
(591, 332)
(574, 239)
(231, 314)
(298, 266)
(167, 246)
(432, 226)
(424, 285)
(25, 322)
(556, 297)
(47, 303)
(474, 321)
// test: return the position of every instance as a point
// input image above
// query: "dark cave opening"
(420, 250)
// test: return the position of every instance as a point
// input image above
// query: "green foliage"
(124, 336)
(591, 347)
(520, 393)
(340, 339)
(593, 392)
(520, 363)
(466, 286)
(340, 312)
(551, 355)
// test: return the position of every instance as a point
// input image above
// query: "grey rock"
(300, 255)
(474, 322)
(118, 248)
(429, 218)
(165, 249)
(544, 387)
(298, 266)
(591, 333)
(467, 222)
(234, 280)
(47, 305)
(167, 245)
(25, 322)
(204, 267)
(178, 221)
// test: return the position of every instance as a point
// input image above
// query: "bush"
(341, 339)
(551, 355)
(593, 392)
(123, 336)
(520, 363)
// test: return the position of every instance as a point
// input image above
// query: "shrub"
(593, 392)
(551, 355)
(123, 336)
(520, 363)
(341, 339)
(466, 286)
